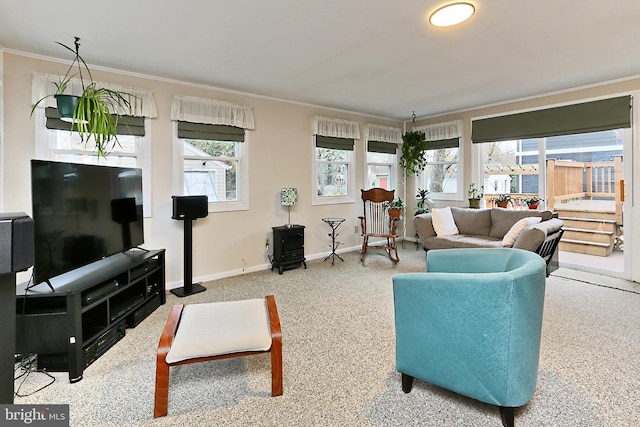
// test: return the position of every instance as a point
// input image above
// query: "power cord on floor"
(24, 368)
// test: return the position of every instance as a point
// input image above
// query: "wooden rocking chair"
(377, 223)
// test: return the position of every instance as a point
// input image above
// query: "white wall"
(224, 243)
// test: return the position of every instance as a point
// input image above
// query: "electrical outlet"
(355, 229)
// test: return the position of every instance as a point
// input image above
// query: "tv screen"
(83, 213)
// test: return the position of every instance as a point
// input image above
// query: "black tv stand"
(88, 310)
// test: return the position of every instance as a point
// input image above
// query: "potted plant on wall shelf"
(414, 145)
(475, 195)
(502, 201)
(92, 113)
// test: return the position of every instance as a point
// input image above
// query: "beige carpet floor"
(339, 367)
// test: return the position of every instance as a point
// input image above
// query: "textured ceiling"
(377, 57)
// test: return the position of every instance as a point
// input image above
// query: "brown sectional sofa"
(480, 228)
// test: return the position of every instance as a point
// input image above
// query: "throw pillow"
(443, 222)
(510, 238)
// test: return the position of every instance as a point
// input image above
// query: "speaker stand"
(188, 287)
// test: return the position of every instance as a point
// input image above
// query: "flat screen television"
(82, 213)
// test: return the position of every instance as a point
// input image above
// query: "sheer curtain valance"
(441, 131)
(336, 128)
(141, 101)
(383, 134)
(203, 110)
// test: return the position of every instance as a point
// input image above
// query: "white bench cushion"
(217, 328)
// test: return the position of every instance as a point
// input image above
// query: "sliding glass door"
(580, 177)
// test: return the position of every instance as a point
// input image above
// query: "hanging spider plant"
(92, 113)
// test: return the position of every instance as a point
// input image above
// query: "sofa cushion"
(509, 239)
(503, 219)
(443, 222)
(462, 241)
(472, 221)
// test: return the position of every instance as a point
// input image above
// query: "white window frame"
(43, 151)
(242, 204)
(351, 179)
(459, 195)
(393, 177)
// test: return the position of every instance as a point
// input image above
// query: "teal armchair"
(472, 324)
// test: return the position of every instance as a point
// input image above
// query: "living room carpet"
(338, 359)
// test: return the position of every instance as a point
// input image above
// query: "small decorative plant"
(414, 145)
(475, 195)
(424, 203)
(396, 207)
(474, 192)
(397, 203)
(533, 199)
(533, 202)
(502, 200)
(92, 113)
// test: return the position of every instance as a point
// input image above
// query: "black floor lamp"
(187, 209)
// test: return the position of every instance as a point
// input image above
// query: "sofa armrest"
(532, 237)
(424, 227)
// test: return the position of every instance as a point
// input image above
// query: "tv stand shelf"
(88, 309)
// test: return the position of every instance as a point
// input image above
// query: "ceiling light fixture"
(452, 14)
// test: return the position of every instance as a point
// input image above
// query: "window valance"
(586, 117)
(442, 131)
(141, 101)
(203, 110)
(383, 134)
(336, 128)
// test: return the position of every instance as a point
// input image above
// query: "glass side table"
(334, 223)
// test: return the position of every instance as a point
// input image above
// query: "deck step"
(584, 242)
(586, 247)
(586, 230)
(599, 216)
(585, 235)
(576, 218)
(590, 225)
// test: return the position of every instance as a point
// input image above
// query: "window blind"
(443, 143)
(605, 114)
(127, 125)
(381, 147)
(334, 143)
(210, 132)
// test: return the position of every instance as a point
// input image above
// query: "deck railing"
(585, 181)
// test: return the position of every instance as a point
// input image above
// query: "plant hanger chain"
(76, 42)
(77, 60)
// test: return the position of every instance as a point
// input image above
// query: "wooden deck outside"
(587, 196)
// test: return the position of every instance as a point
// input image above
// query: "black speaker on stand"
(187, 209)
(16, 254)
